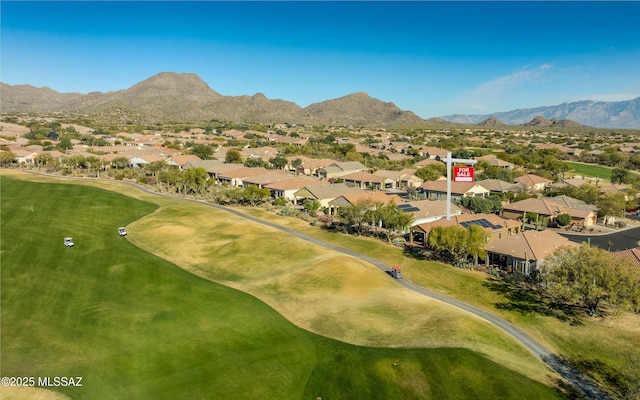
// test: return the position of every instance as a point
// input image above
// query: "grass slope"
(135, 326)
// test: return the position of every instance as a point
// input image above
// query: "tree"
(255, 195)
(476, 240)
(355, 215)
(65, 144)
(278, 162)
(620, 175)
(196, 179)
(611, 204)
(233, 156)
(586, 275)
(563, 219)
(312, 206)
(431, 172)
(448, 239)
(482, 205)
(393, 219)
(7, 158)
(202, 150)
(458, 242)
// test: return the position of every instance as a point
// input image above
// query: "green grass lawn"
(590, 170)
(137, 327)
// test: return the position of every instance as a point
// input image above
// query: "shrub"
(563, 219)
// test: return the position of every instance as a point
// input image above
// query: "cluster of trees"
(587, 276)
(457, 245)
(368, 216)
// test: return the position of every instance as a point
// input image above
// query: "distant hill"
(492, 121)
(360, 109)
(621, 114)
(560, 123)
(183, 97)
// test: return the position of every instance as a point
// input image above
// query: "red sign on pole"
(463, 174)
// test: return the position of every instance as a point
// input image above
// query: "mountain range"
(185, 97)
(620, 114)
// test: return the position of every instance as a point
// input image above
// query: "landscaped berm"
(135, 326)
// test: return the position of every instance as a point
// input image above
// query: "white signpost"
(465, 176)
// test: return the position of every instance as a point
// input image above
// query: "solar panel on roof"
(408, 208)
(482, 222)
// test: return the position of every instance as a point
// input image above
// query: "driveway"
(619, 240)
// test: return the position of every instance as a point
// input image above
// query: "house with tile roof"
(533, 183)
(288, 187)
(550, 209)
(630, 258)
(308, 166)
(427, 161)
(237, 176)
(524, 252)
(497, 186)
(400, 179)
(494, 161)
(340, 169)
(324, 193)
(349, 199)
(216, 170)
(264, 179)
(496, 226)
(437, 190)
(425, 211)
(180, 160)
(366, 180)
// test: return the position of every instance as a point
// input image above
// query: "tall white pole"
(449, 161)
(448, 186)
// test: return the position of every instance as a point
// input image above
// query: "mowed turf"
(135, 326)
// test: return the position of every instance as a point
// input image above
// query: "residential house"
(533, 183)
(324, 193)
(180, 160)
(524, 252)
(550, 209)
(366, 180)
(288, 187)
(494, 161)
(437, 190)
(630, 257)
(25, 155)
(494, 225)
(349, 199)
(400, 179)
(237, 176)
(497, 186)
(216, 170)
(434, 153)
(427, 161)
(308, 166)
(265, 179)
(207, 165)
(425, 211)
(340, 169)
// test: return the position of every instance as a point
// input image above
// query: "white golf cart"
(122, 231)
(68, 242)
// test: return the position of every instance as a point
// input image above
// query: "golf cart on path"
(396, 272)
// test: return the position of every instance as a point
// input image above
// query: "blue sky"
(432, 58)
